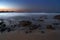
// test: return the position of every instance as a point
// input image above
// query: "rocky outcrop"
(50, 27)
(25, 23)
(57, 17)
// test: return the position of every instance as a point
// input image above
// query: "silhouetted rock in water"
(33, 27)
(8, 29)
(25, 23)
(42, 32)
(56, 23)
(41, 20)
(13, 26)
(2, 25)
(30, 31)
(1, 22)
(39, 28)
(33, 19)
(26, 32)
(46, 18)
(50, 27)
(2, 30)
(39, 25)
(23, 29)
(18, 25)
(57, 17)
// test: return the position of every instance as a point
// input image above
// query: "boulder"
(8, 29)
(25, 23)
(33, 27)
(50, 27)
(57, 17)
(2, 30)
(42, 32)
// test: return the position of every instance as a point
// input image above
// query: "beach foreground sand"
(36, 35)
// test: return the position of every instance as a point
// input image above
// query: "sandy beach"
(36, 35)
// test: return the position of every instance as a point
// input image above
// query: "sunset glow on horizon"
(8, 9)
(9, 6)
(30, 5)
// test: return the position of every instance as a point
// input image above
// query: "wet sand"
(36, 35)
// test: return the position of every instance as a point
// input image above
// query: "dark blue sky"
(34, 5)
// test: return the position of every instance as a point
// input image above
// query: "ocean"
(34, 17)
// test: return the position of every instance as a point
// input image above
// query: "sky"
(32, 5)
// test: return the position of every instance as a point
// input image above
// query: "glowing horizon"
(8, 9)
(7, 6)
(32, 5)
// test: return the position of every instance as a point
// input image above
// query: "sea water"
(33, 17)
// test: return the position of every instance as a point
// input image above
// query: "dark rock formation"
(8, 29)
(42, 32)
(56, 23)
(25, 23)
(2, 30)
(26, 32)
(2, 26)
(57, 17)
(1, 21)
(50, 27)
(33, 27)
(41, 20)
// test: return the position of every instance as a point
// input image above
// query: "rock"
(30, 31)
(2, 30)
(26, 32)
(50, 27)
(1, 22)
(57, 17)
(3, 25)
(33, 27)
(13, 26)
(30, 28)
(41, 20)
(42, 32)
(8, 29)
(39, 28)
(56, 23)
(25, 23)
